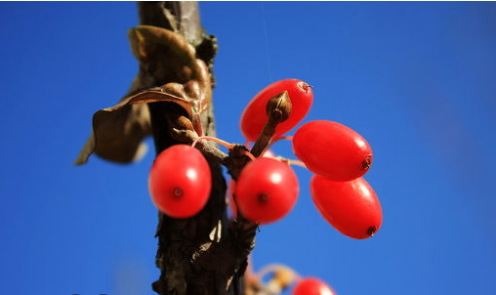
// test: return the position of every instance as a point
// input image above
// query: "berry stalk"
(279, 109)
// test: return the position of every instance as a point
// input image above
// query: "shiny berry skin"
(312, 286)
(180, 181)
(332, 150)
(255, 116)
(267, 189)
(351, 207)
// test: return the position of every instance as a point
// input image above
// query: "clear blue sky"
(416, 79)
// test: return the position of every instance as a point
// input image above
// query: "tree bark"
(206, 254)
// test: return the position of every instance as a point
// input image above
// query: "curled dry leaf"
(166, 59)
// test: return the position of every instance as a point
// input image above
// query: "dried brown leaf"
(166, 59)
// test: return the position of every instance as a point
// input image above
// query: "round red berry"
(266, 190)
(312, 286)
(180, 181)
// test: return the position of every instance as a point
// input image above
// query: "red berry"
(312, 286)
(180, 181)
(351, 207)
(255, 117)
(266, 190)
(332, 150)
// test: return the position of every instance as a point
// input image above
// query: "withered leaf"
(166, 59)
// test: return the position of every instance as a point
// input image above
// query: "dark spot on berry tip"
(367, 163)
(371, 231)
(306, 87)
(263, 198)
(177, 192)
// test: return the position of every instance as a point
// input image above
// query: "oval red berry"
(255, 117)
(332, 150)
(351, 207)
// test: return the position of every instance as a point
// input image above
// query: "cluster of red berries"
(339, 157)
(267, 187)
